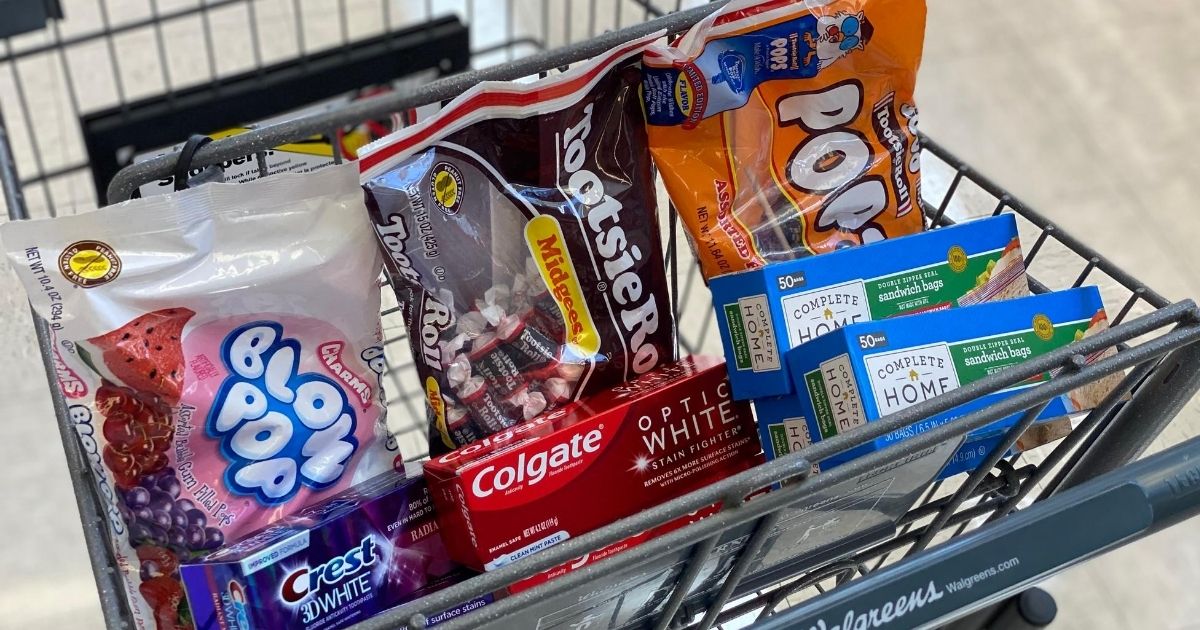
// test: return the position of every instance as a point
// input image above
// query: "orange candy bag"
(784, 129)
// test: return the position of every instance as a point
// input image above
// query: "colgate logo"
(532, 469)
(305, 582)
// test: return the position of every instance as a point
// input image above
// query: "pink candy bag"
(220, 353)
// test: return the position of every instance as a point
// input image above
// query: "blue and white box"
(863, 372)
(765, 312)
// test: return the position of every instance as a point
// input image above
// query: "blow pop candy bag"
(219, 351)
(784, 129)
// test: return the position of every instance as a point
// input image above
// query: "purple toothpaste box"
(333, 564)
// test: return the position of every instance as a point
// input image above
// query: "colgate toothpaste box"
(365, 550)
(613, 549)
(565, 473)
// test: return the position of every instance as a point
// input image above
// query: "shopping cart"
(1015, 520)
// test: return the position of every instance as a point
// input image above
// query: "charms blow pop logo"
(279, 429)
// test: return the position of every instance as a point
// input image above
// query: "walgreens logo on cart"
(890, 612)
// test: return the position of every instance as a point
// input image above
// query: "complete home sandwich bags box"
(978, 446)
(865, 371)
(336, 563)
(570, 471)
(767, 311)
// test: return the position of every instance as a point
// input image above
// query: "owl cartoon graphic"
(722, 77)
(837, 35)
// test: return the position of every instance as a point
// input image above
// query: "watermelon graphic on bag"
(220, 351)
(144, 355)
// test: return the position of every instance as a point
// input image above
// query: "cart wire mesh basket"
(783, 559)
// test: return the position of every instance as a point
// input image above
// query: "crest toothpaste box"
(570, 471)
(764, 312)
(865, 371)
(336, 563)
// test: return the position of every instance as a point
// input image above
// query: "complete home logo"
(814, 313)
(903, 378)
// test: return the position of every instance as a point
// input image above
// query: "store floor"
(1084, 109)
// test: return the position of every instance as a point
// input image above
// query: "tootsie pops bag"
(519, 233)
(784, 129)
(219, 350)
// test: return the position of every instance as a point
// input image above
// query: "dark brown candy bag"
(519, 232)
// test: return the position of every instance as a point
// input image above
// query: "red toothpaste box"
(612, 550)
(568, 472)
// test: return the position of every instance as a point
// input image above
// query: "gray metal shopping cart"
(1016, 520)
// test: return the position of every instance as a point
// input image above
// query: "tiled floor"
(1084, 109)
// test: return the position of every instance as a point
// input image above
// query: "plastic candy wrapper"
(784, 129)
(519, 233)
(219, 350)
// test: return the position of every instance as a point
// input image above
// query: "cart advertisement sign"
(299, 156)
(970, 572)
(849, 515)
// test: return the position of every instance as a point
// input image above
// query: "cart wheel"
(1029, 610)
(1032, 609)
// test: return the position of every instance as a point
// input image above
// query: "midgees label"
(903, 378)
(813, 313)
(546, 242)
